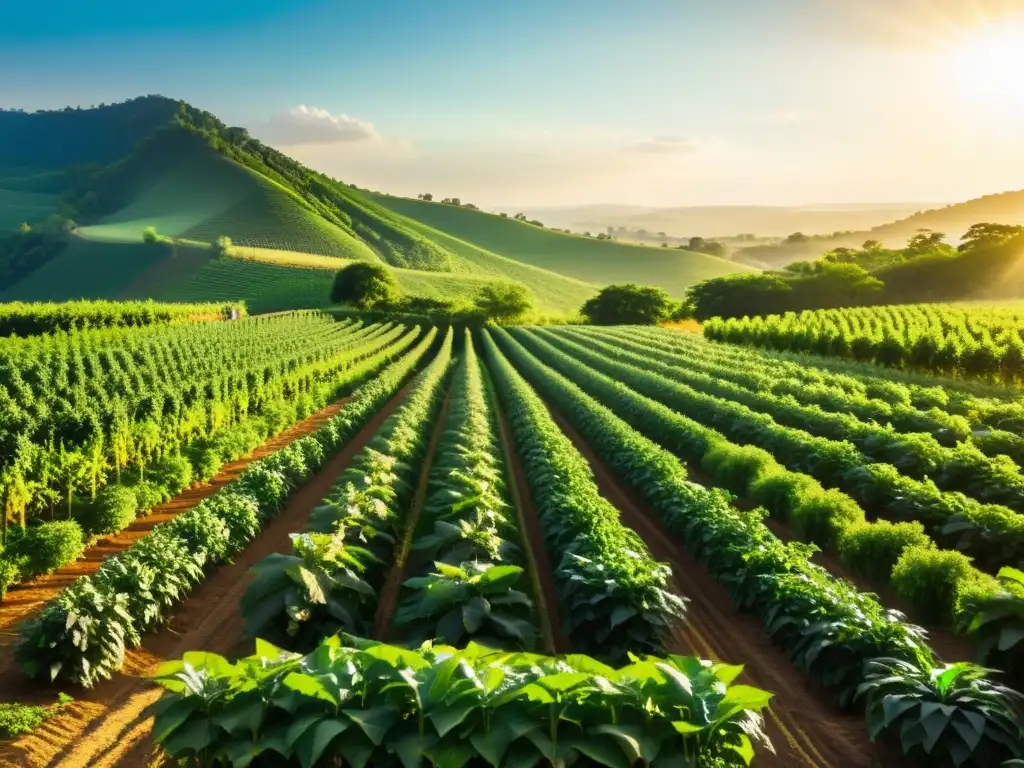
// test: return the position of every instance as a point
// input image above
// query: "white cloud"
(313, 125)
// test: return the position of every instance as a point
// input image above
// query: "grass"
(17, 206)
(203, 195)
(594, 261)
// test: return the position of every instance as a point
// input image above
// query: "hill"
(91, 182)
(953, 220)
(596, 261)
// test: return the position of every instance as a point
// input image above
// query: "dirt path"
(805, 726)
(26, 600)
(533, 539)
(382, 627)
(105, 727)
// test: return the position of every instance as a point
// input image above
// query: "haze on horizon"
(536, 104)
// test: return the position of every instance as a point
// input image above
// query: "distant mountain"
(117, 171)
(724, 221)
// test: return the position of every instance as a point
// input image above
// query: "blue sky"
(652, 102)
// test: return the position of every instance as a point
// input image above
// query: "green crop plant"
(366, 703)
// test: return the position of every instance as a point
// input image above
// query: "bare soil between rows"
(805, 725)
(106, 726)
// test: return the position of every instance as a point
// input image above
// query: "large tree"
(504, 302)
(365, 285)
(628, 305)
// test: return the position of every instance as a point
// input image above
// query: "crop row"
(933, 582)
(82, 635)
(30, 318)
(995, 427)
(36, 549)
(961, 468)
(334, 577)
(972, 342)
(838, 636)
(993, 535)
(468, 561)
(614, 597)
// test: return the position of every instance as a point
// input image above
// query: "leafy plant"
(473, 601)
(994, 623)
(372, 704)
(947, 715)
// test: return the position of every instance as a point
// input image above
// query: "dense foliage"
(335, 576)
(981, 342)
(615, 598)
(364, 285)
(28, 319)
(628, 304)
(834, 633)
(82, 635)
(366, 703)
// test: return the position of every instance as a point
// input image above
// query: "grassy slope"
(17, 206)
(203, 195)
(594, 261)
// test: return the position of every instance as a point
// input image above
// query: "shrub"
(174, 473)
(736, 466)
(150, 236)
(628, 305)
(822, 517)
(113, 511)
(10, 574)
(202, 531)
(148, 495)
(206, 463)
(221, 246)
(874, 548)
(933, 581)
(365, 285)
(780, 491)
(17, 719)
(504, 302)
(47, 547)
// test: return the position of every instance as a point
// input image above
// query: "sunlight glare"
(989, 66)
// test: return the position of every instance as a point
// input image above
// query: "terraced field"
(552, 492)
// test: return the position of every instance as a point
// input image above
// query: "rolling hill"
(596, 261)
(153, 162)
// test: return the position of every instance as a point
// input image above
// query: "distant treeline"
(987, 264)
(31, 318)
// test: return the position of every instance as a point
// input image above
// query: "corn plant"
(365, 704)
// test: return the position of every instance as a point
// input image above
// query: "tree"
(24, 228)
(696, 244)
(504, 302)
(988, 234)
(365, 285)
(628, 305)
(150, 236)
(871, 245)
(426, 196)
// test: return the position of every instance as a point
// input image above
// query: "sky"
(539, 103)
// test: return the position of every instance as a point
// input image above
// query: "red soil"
(106, 725)
(805, 726)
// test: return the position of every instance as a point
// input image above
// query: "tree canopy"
(364, 285)
(628, 305)
(504, 302)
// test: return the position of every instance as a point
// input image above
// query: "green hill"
(115, 171)
(595, 261)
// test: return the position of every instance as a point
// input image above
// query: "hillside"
(91, 182)
(953, 220)
(596, 261)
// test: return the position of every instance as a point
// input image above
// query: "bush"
(504, 302)
(735, 466)
(365, 285)
(780, 491)
(221, 246)
(932, 581)
(206, 463)
(10, 574)
(174, 473)
(203, 532)
(628, 305)
(873, 549)
(148, 495)
(47, 547)
(18, 719)
(822, 517)
(150, 236)
(114, 510)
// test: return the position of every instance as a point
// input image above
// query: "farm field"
(196, 508)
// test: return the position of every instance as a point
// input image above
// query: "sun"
(988, 66)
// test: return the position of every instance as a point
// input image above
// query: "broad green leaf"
(374, 721)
